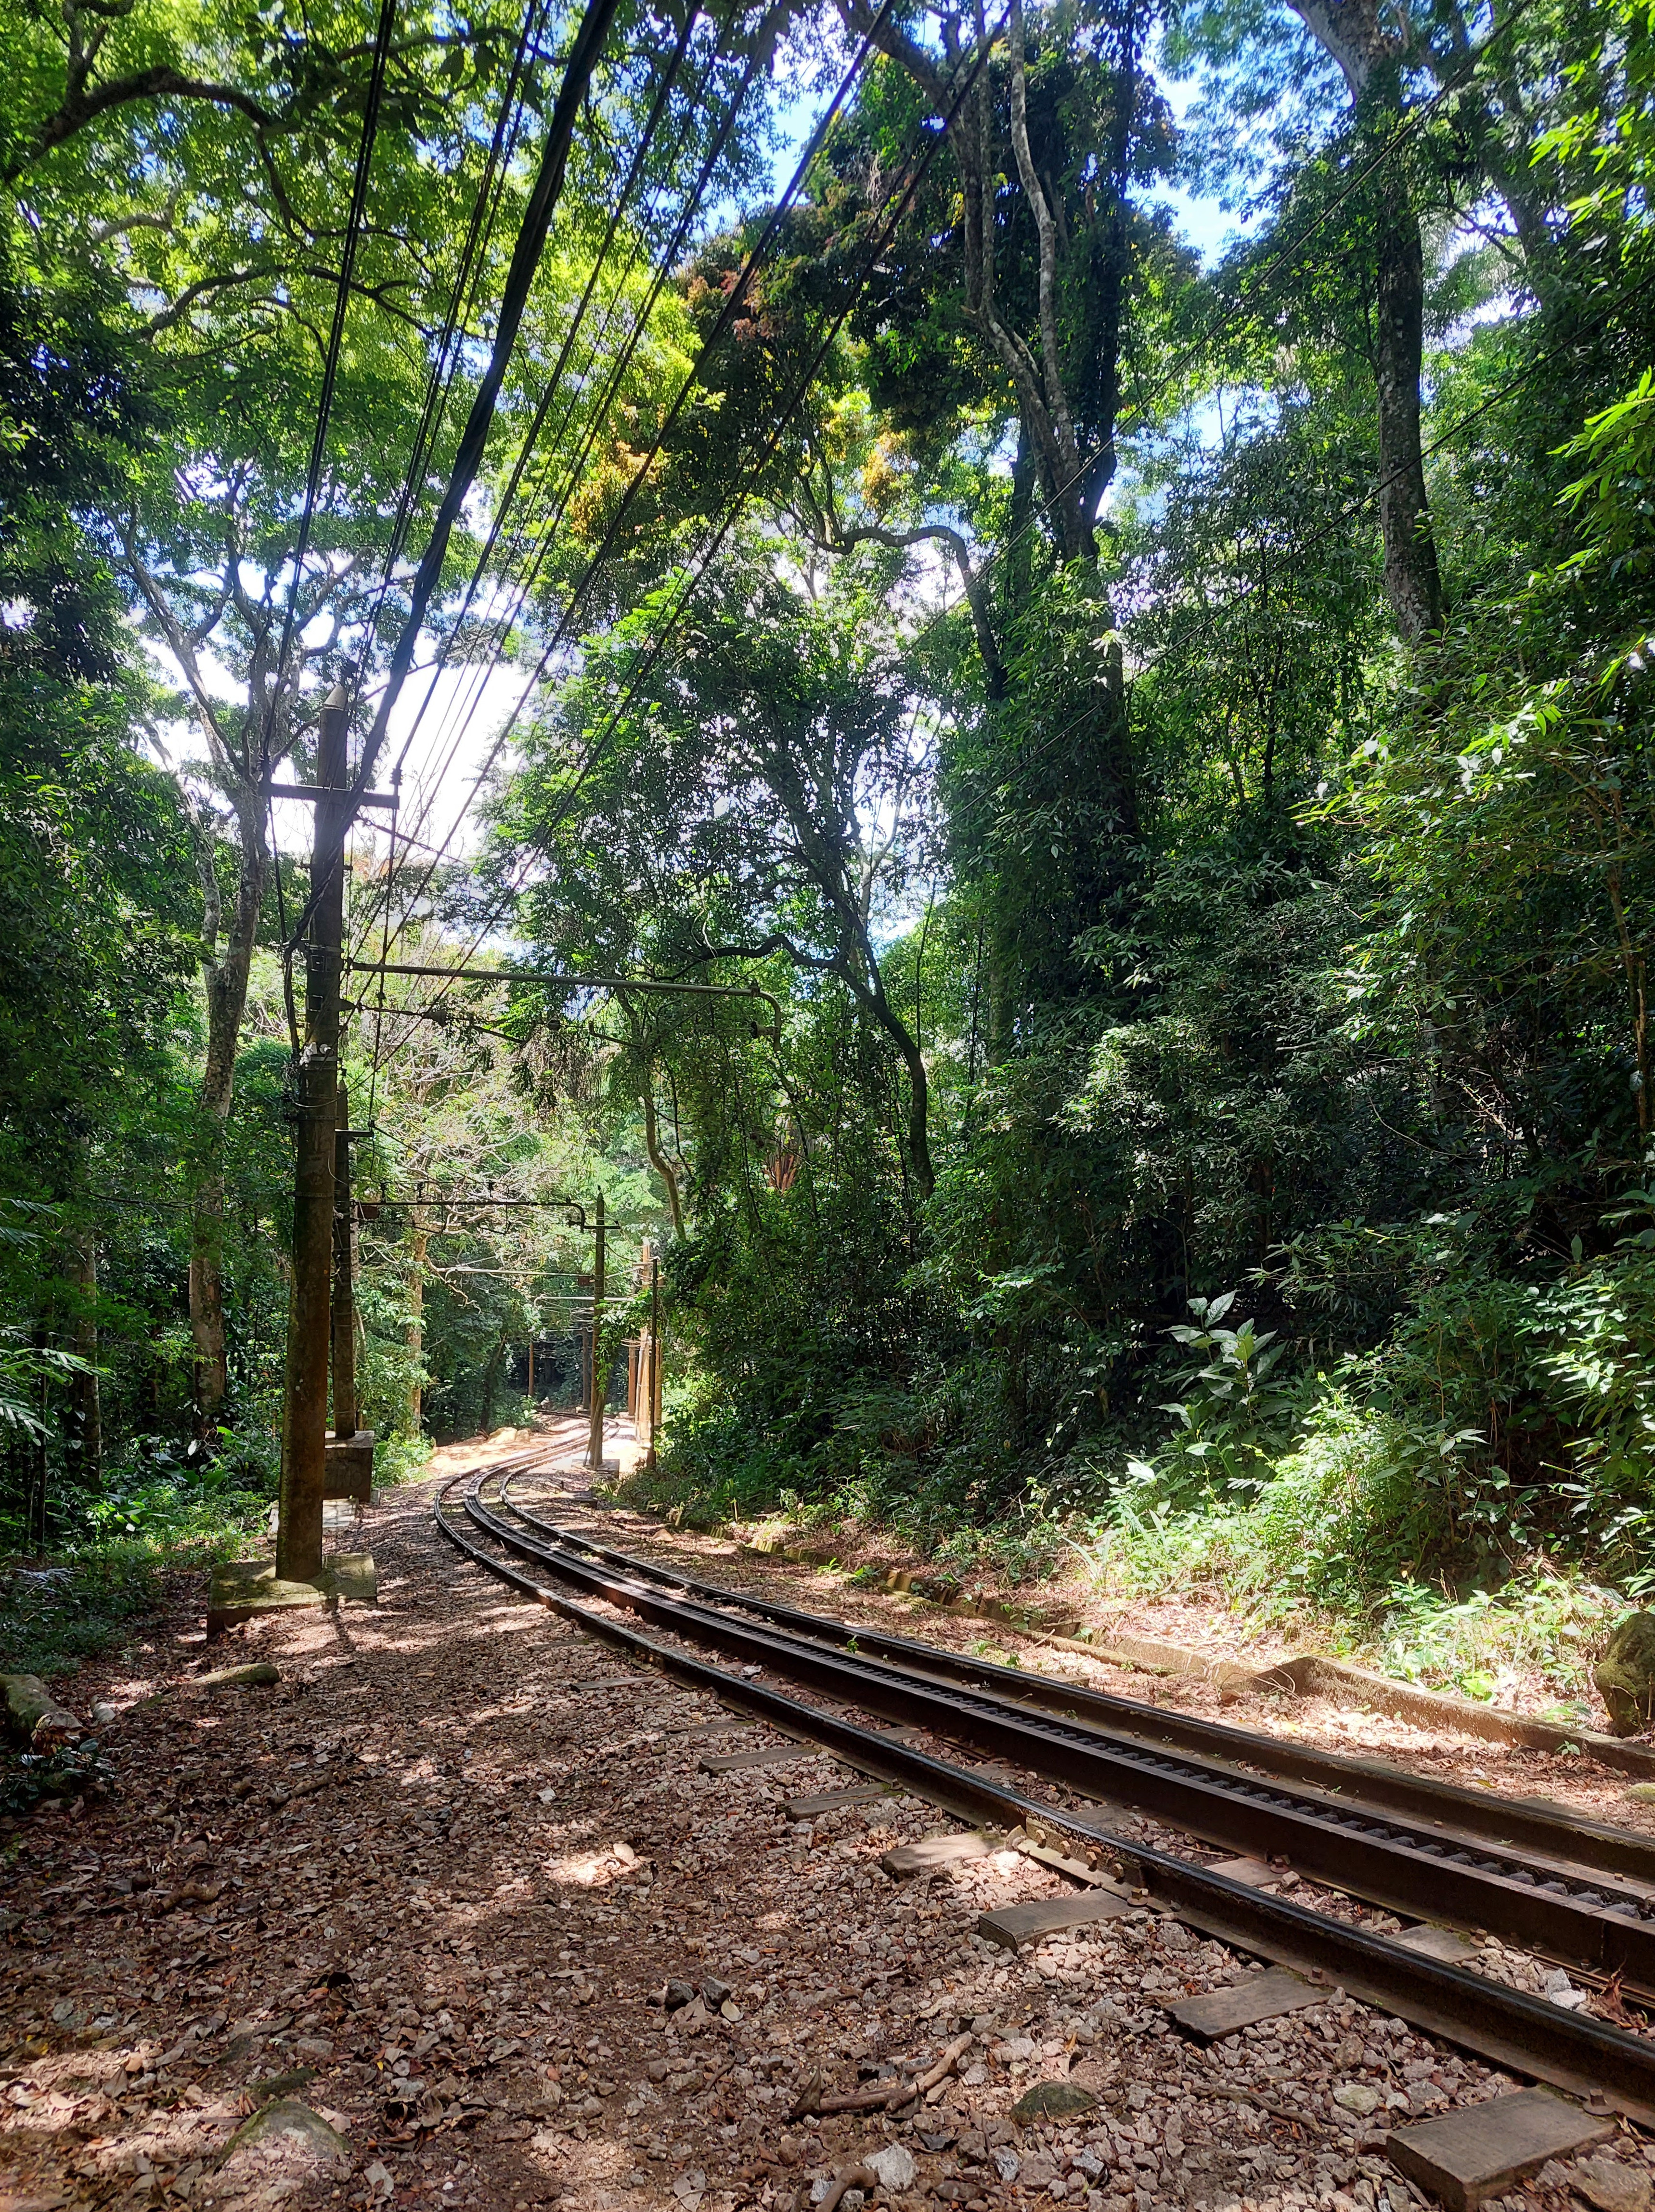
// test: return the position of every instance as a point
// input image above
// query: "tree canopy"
(1073, 834)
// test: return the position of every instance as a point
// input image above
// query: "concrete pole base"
(249, 1589)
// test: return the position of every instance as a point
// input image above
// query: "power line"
(317, 455)
(714, 155)
(738, 502)
(726, 317)
(331, 363)
(688, 384)
(542, 409)
(554, 377)
(1410, 128)
(486, 203)
(485, 207)
(532, 237)
(1415, 123)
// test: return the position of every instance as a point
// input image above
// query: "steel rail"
(1565, 1842)
(1410, 1871)
(1505, 2026)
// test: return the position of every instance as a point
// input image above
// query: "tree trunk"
(1370, 48)
(226, 980)
(88, 1397)
(660, 1162)
(491, 1384)
(416, 1332)
(1412, 581)
(869, 989)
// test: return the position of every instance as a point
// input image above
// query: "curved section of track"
(1528, 2034)
(1529, 1834)
(1549, 1904)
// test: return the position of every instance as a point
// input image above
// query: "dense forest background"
(1169, 733)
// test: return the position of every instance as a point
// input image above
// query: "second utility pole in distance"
(344, 1276)
(595, 1440)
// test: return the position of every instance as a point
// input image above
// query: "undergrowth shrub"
(161, 1509)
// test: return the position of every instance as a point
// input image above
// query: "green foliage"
(1229, 1412)
(1167, 1068)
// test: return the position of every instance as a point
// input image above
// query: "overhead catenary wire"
(1413, 125)
(710, 551)
(713, 155)
(584, 56)
(447, 353)
(531, 439)
(554, 376)
(727, 314)
(352, 239)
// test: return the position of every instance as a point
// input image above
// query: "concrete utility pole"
(654, 1354)
(595, 1444)
(304, 1415)
(344, 1274)
(643, 1391)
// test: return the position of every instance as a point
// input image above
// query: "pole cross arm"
(570, 982)
(314, 791)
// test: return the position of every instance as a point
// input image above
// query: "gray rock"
(896, 2170)
(1006, 2162)
(1609, 2184)
(1625, 1675)
(278, 2151)
(1357, 2097)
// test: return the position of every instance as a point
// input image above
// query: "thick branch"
(976, 598)
(1046, 229)
(81, 107)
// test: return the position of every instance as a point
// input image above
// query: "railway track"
(1532, 1836)
(1424, 1849)
(1585, 1898)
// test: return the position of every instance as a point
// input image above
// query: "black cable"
(1407, 129)
(715, 545)
(1414, 124)
(525, 260)
(509, 617)
(317, 454)
(532, 234)
(336, 340)
(727, 314)
(485, 207)
(554, 377)
(641, 322)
